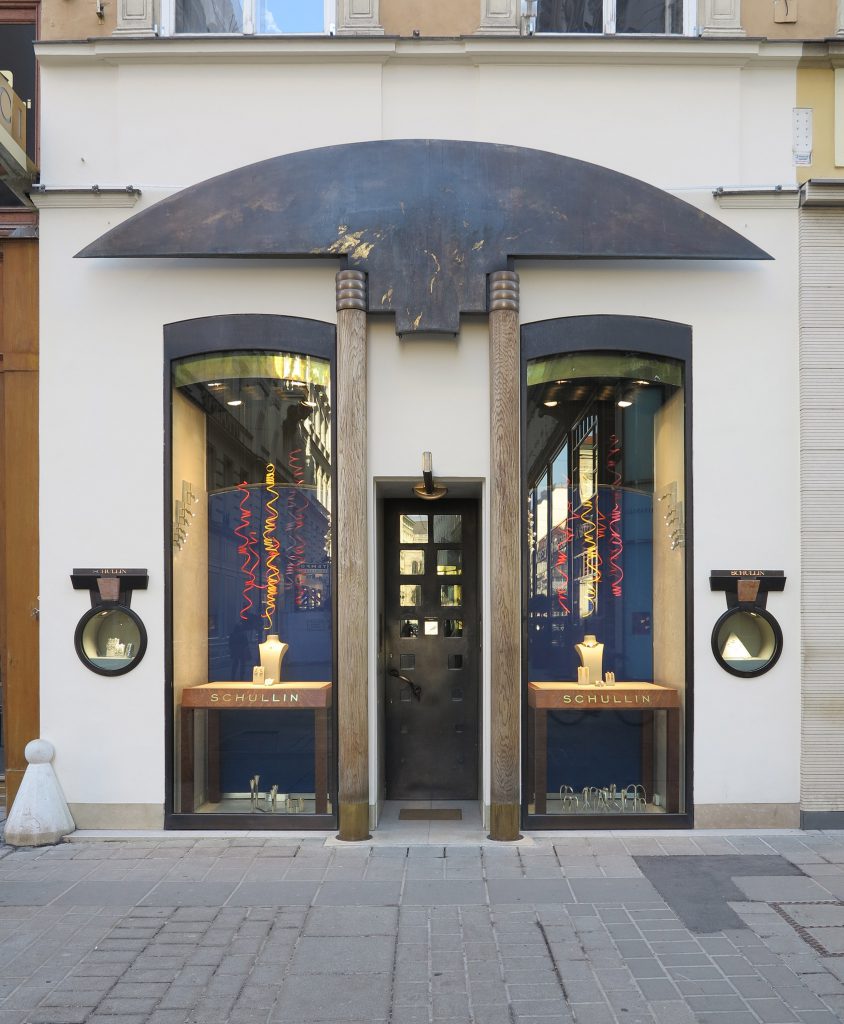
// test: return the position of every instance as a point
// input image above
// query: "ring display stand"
(571, 696)
(237, 696)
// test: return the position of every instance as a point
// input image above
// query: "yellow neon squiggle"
(272, 548)
(591, 559)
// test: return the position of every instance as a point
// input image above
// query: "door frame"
(387, 489)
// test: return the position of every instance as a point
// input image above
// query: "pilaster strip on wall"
(822, 491)
(505, 554)
(19, 640)
(352, 561)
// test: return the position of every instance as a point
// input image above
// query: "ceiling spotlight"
(551, 403)
(625, 398)
(643, 383)
(234, 401)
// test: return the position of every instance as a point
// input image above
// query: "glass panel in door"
(431, 650)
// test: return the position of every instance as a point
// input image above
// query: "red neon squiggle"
(562, 563)
(616, 543)
(272, 547)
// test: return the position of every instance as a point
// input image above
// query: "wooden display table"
(239, 696)
(571, 696)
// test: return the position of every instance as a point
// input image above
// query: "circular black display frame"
(763, 613)
(110, 606)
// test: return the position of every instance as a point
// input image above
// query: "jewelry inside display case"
(253, 648)
(606, 586)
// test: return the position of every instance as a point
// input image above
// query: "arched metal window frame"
(236, 332)
(650, 337)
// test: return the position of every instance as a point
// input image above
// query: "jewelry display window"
(605, 588)
(252, 587)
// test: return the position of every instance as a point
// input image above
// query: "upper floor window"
(264, 17)
(650, 17)
(17, 68)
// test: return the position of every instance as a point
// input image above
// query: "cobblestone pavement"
(597, 930)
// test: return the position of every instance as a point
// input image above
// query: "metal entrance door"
(432, 649)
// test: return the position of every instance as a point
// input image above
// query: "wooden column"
(505, 552)
(352, 561)
(19, 502)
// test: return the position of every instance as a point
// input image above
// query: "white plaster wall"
(429, 394)
(745, 459)
(167, 125)
(163, 125)
(102, 478)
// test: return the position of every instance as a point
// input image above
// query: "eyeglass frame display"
(111, 591)
(747, 591)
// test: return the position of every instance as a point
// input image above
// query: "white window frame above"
(168, 19)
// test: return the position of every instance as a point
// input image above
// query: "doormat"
(430, 814)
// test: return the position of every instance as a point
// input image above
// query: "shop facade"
(278, 630)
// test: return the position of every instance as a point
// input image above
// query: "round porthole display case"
(747, 641)
(110, 640)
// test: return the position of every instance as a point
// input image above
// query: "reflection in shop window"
(652, 17)
(252, 601)
(448, 529)
(604, 492)
(449, 562)
(412, 562)
(264, 17)
(413, 530)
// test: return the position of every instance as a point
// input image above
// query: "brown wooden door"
(432, 649)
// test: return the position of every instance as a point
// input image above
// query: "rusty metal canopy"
(426, 219)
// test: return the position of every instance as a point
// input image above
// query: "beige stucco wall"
(816, 90)
(815, 19)
(76, 19)
(430, 17)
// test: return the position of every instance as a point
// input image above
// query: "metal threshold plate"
(430, 814)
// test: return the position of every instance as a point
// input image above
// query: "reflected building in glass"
(253, 430)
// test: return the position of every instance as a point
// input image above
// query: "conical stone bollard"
(39, 815)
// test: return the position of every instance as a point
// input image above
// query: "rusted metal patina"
(427, 220)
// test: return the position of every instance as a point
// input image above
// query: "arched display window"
(606, 571)
(251, 588)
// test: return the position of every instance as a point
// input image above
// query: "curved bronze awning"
(426, 219)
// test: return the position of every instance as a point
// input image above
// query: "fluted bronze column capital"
(351, 289)
(503, 290)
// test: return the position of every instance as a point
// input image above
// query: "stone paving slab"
(574, 928)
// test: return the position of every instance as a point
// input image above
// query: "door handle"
(415, 688)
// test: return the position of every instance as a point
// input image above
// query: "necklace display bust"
(272, 651)
(591, 655)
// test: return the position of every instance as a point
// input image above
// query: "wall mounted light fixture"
(428, 489)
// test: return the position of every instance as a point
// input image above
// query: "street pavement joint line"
(395, 961)
(501, 972)
(556, 966)
(802, 930)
